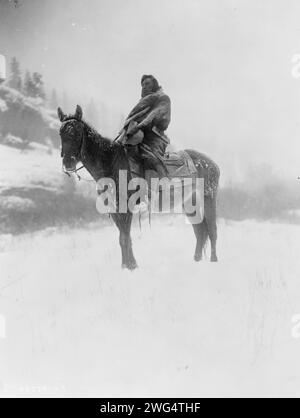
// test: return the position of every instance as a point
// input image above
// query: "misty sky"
(226, 65)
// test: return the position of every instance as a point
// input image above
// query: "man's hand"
(141, 125)
(132, 128)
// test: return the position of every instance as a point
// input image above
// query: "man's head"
(149, 85)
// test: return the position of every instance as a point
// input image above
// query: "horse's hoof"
(130, 266)
(214, 258)
(197, 257)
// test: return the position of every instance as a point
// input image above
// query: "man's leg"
(134, 159)
(152, 150)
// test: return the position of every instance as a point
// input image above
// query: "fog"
(227, 66)
(232, 71)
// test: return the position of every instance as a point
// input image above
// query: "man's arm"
(160, 115)
(145, 102)
(135, 116)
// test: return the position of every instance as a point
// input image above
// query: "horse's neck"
(96, 154)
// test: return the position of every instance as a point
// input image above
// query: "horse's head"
(71, 133)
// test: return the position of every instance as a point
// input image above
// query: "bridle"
(77, 155)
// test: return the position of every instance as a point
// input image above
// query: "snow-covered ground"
(76, 324)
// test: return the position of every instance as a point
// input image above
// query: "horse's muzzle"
(69, 163)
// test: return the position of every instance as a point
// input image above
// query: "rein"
(77, 175)
(80, 178)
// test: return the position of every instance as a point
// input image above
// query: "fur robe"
(153, 110)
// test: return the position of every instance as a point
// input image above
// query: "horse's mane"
(111, 153)
(95, 137)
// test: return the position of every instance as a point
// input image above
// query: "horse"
(104, 158)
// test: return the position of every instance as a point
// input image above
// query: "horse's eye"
(70, 130)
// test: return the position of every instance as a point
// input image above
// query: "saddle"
(178, 164)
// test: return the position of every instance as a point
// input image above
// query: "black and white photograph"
(149, 200)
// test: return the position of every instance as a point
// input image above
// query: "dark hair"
(156, 86)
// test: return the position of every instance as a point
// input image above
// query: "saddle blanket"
(179, 164)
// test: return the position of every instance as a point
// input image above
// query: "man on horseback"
(146, 123)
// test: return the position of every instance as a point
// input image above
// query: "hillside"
(27, 118)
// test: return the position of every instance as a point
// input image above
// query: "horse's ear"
(78, 113)
(61, 114)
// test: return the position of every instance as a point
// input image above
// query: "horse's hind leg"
(210, 212)
(201, 235)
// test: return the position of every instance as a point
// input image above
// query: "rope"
(87, 180)
(78, 176)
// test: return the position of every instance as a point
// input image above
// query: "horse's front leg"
(123, 222)
(126, 243)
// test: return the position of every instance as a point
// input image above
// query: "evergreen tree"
(28, 88)
(92, 113)
(15, 80)
(66, 103)
(38, 86)
(53, 100)
(33, 85)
